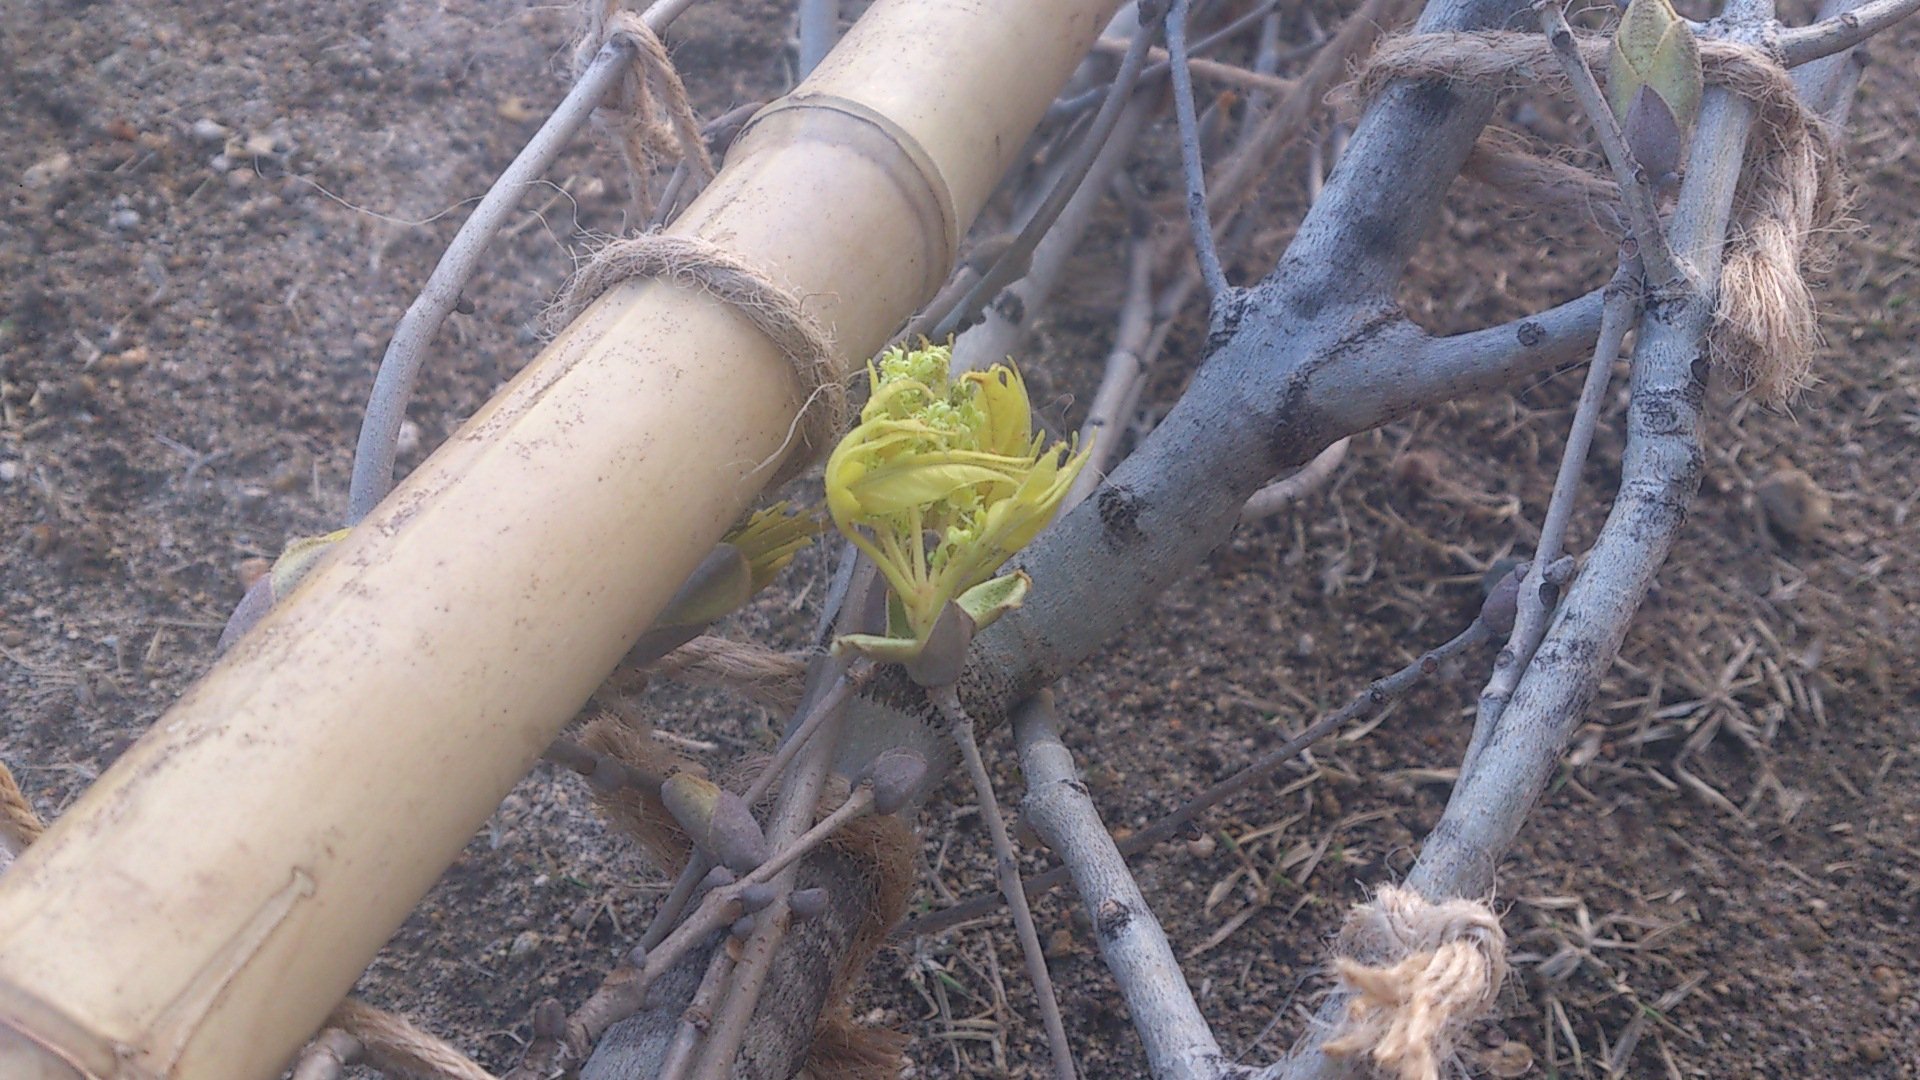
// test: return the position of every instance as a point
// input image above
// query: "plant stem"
(1201, 225)
(1620, 311)
(1635, 193)
(1007, 869)
(1377, 696)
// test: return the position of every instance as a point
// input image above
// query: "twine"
(17, 820)
(642, 135)
(701, 264)
(688, 260)
(766, 676)
(1419, 972)
(392, 1043)
(1787, 206)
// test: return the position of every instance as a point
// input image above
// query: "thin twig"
(1004, 322)
(1013, 263)
(1066, 108)
(624, 990)
(698, 864)
(1635, 191)
(1178, 1042)
(1281, 494)
(1234, 180)
(1195, 170)
(1377, 696)
(1007, 869)
(799, 796)
(400, 366)
(1125, 366)
(1619, 313)
(1805, 44)
(698, 1017)
(1213, 70)
(393, 384)
(819, 30)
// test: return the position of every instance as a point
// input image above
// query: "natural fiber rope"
(691, 261)
(1419, 972)
(774, 679)
(643, 136)
(695, 263)
(17, 819)
(1788, 204)
(393, 1044)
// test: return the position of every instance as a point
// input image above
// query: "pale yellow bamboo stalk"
(198, 912)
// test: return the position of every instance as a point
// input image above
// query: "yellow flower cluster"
(942, 481)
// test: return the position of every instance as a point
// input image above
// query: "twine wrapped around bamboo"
(1418, 972)
(1787, 208)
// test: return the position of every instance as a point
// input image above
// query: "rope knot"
(633, 113)
(1419, 972)
(1787, 207)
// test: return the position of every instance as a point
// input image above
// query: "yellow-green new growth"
(771, 538)
(942, 481)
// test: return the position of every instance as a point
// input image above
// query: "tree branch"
(1376, 697)
(1660, 473)
(1805, 44)
(1532, 609)
(1179, 1044)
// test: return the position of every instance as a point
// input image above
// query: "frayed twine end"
(1419, 972)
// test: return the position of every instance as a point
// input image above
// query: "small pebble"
(515, 110)
(1794, 504)
(47, 170)
(1202, 846)
(1059, 944)
(1508, 1060)
(252, 570)
(408, 440)
(525, 944)
(208, 130)
(1888, 985)
(123, 218)
(9, 471)
(1872, 1049)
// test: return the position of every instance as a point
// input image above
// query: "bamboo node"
(1419, 972)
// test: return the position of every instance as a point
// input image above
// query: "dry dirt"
(214, 213)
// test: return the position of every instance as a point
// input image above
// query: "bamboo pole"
(214, 894)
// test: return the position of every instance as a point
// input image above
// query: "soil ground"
(213, 213)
